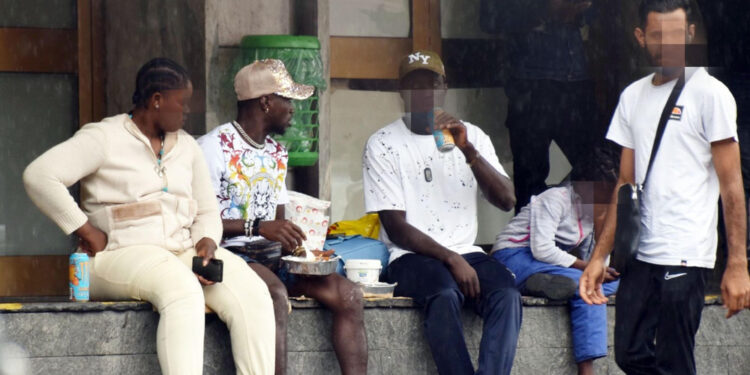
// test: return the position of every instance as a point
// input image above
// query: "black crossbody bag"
(628, 229)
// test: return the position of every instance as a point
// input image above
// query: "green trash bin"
(301, 55)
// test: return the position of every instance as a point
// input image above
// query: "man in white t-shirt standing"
(427, 203)
(661, 295)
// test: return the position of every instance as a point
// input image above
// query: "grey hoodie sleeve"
(547, 212)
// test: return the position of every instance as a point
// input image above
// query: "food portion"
(313, 255)
(299, 252)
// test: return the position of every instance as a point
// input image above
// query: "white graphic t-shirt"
(679, 209)
(249, 182)
(406, 172)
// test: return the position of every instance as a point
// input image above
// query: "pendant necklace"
(160, 169)
(427, 171)
(428, 174)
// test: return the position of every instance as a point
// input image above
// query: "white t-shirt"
(444, 208)
(249, 182)
(679, 204)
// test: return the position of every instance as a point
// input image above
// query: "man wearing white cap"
(248, 171)
(426, 198)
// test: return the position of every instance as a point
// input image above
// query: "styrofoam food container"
(365, 271)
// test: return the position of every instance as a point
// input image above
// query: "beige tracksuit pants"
(158, 276)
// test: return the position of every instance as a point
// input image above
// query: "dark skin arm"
(407, 236)
(280, 230)
(600, 215)
(735, 284)
(590, 284)
(91, 239)
(205, 248)
(497, 188)
(610, 275)
(94, 240)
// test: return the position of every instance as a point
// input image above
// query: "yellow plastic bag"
(367, 226)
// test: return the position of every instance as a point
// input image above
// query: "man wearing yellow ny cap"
(426, 197)
(248, 171)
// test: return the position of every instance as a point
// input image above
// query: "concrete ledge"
(61, 304)
(119, 337)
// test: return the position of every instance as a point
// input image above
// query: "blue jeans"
(429, 282)
(588, 322)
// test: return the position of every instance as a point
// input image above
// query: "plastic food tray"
(301, 266)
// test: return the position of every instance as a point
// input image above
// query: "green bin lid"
(280, 41)
(303, 158)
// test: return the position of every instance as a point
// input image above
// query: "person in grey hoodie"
(538, 246)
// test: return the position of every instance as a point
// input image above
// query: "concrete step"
(65, 338)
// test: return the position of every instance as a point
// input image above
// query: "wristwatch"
(252, 227)
(247, 227)
(256, 227)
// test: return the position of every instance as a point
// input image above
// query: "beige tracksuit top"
(121, 191)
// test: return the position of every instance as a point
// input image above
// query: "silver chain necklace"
(246, 137)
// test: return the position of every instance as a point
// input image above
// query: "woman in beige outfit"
(147, 208)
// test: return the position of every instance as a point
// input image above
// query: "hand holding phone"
(214, 271)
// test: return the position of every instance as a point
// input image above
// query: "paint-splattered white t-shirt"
(394, 168)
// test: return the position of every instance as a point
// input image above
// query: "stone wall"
(119, 338)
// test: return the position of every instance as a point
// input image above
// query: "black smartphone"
(214, 271)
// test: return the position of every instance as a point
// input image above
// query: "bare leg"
(586, 367)
(344, 299)
(281, 312)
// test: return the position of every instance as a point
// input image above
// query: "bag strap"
(665, 114)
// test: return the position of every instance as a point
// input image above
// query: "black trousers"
(657, 314)
(542, 111)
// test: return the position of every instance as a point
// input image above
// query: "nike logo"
(667, 276)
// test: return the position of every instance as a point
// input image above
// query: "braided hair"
(158, 75)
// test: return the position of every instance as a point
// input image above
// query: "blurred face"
(594, 192)
(595, 198)
(664, 38)
(422, 90)
(280, 112)
(173, 107)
